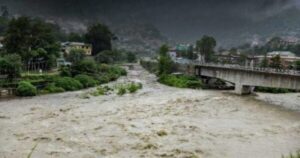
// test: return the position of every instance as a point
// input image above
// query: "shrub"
(117, 70)
(121, 91)
(86, 66)
(102, 79)
(67, 83)
(65, 71)
(132, 88)
(86, 80)
(75, 55)
(51, 88)
(26, 89)
(180, 81)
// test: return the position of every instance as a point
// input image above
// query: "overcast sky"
(175, 18)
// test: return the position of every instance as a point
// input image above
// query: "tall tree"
(276, 62)
(100, 37)
(165, 63)
(33, 40)
(206, 47)
(264, 63)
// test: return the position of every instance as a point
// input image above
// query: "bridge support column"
(243, 90)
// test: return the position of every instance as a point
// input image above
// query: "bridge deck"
(253, 69)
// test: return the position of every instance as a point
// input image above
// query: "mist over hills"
(232, 22)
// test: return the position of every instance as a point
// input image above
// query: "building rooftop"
(282, 53)
(73, 44)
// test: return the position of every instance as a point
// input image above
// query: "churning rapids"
(157, 121)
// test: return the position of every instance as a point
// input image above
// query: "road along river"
(157, 121)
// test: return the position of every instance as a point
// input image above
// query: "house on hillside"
(68, 46)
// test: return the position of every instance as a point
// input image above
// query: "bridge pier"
(243, 89)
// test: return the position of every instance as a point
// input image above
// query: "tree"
(297, 65)
(100, 37)
(75, 37)
(264, 63)
(276, 62)
(191, 55)
(131, 57)
(33, 40)
(165, 63)
(3, 25)
(106, 57)
(163, 50)
(205, 47)
(76, 55)
(86, 66)
(11, 65)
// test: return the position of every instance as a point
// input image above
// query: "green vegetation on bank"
(273, 90)
(26, 89)
(180, 81)
(61, 83)
(165, 66)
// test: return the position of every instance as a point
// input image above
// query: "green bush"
(26, 89)
(65, 71)
(102, 79)
(181, 81)
(117, 70)
(86, 80)
(86, 66)
(121, 91)
(132, 88)
(51, 88)
(67, 83)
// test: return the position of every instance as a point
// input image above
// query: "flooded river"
(157, 121)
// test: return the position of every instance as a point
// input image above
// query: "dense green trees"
(33, 40)
(205, 47)
(100, 37)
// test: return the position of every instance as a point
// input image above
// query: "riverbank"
(157, 121)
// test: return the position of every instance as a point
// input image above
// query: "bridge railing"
(248, 68)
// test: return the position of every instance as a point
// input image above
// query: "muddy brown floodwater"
(157, 121)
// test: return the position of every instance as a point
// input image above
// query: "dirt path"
(158, 121)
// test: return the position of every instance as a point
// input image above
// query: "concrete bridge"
(246, 78)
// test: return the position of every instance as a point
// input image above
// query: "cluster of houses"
(287, 58)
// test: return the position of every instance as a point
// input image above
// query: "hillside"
(144, 39)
